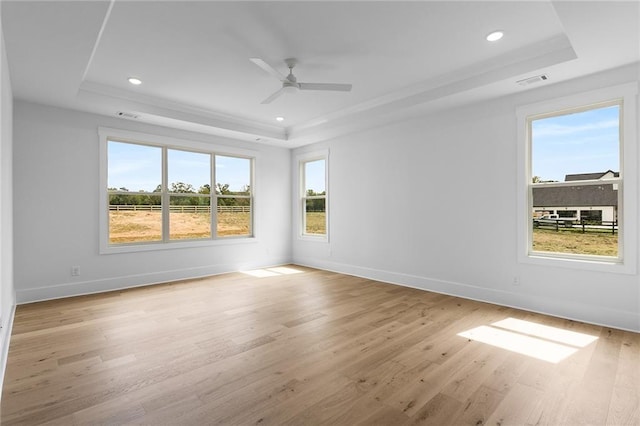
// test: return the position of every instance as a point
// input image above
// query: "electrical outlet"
(516, 280)
(75, 271)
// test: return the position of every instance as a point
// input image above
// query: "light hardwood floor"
(309, 348)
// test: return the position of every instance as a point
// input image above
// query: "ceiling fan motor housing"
(290, 86)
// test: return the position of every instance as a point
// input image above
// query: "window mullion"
(593, 182)
(303, 209)
(214, 200)
(166, 207)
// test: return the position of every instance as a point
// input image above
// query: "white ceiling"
(193, 57)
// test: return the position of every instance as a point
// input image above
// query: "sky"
(314, 176)
(139, 168)
(584, 142)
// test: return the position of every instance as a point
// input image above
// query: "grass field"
(570, 241)
(316, 223)
(138, 226)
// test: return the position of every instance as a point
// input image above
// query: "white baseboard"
(597, 315)
(59, 291)
(5, 340)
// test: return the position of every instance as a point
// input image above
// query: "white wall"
(414, 203)
(56, 182)
(7, 294)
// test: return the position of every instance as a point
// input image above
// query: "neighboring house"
(598, 203)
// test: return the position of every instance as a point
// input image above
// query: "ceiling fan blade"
(273, 97)
(326, 86)
(268, 68)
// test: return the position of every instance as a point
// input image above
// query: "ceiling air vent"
(127, 115)
(532, 80)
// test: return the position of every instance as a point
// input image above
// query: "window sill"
(314, 238)
(132, 248)
(584, 264)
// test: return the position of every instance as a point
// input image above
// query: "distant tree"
(148, 199)
(315, 204)
(182, 188)
(538, 179)
(222, 189)
(119, 199)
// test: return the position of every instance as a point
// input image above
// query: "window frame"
(166, 143)
(302, 160)
(215, 196)
(626, 96)
(167, 195)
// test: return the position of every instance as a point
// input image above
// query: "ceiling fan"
(290, 83)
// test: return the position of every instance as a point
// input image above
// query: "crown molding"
(169, 113)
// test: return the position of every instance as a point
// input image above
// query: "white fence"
(179, 209)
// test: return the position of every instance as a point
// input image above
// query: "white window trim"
(628, 234)
(106, 133)
(301, 159)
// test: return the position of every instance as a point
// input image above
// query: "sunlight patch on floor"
(556, 334)
(272, 272)
(539, 341)
(286, 270)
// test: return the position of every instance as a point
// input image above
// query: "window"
(576, 188)
(233, 194)
(575, 161)
(160, 194)
(134, 193)
(313, 196)
(189, 192)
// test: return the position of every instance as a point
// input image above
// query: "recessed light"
(495, 36)
(279, 118)
(135, 81)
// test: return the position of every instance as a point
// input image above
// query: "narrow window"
(314, 197)
(233, 196)
(134, 193)
(189, 192)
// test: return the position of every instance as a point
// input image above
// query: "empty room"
(319, 212)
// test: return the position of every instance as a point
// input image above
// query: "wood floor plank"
(312, 347)
(478, 407)
(625, 401)
(521, 406)
(590, 403)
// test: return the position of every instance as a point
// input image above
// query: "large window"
(575, 164)
(577, 190)
(159, 194)
(313, 196)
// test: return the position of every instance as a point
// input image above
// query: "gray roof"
(575, 195)
(589, 176)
